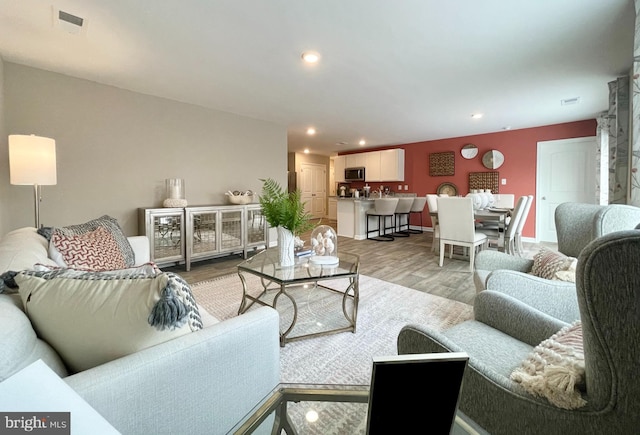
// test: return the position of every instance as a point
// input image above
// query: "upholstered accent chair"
(577, 224)
(505, 330)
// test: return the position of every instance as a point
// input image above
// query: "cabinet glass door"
(167, 236)
(255, 227)
(231, 230)
(204, 232)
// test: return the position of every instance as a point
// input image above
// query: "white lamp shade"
(32, 160)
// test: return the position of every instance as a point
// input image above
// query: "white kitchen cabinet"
(386, 165)
(372, 166)
(339, 163)
(392, 165)
(355, 160)
(333, 209)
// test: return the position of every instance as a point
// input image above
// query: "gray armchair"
(576, 226)
(506, 329)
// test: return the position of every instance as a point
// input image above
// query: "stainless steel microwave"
(354, 174)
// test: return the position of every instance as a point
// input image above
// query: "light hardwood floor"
(405, 261)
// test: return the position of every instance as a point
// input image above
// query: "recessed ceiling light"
(476, 115)
(508, 127)
(311, 416)
(362, 142)
(310, 56)
(311, 131)
(306, 150)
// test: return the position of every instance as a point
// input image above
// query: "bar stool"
(383, 208)
(402, 209)
(417, 207)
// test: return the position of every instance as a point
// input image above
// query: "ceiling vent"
(570, 101)
(68, 22)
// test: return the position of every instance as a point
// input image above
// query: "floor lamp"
(32, 161)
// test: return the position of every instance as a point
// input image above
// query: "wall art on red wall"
(485, 180)
(441, 164)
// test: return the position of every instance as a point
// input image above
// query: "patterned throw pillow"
(91, 318)
(96, 250)
(555, 368)
(547, 263)
(108, 223)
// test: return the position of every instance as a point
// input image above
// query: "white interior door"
(313, 186)
(566, 173)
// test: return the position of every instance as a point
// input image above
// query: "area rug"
(346, 357)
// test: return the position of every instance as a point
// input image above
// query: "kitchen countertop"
(355, 199)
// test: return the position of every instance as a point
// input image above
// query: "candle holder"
(175, 193)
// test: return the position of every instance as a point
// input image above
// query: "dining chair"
(383, 208)
(519, 248)
(510, 228)
(504, 200)
(456, 222)
(432, 203)
(403, 209)
(417, 207)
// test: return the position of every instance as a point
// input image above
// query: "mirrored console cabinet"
(183, 235)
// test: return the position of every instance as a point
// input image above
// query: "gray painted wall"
(115, 148)
(4, 171)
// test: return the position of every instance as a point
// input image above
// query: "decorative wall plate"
(492, 159)
(447, 188)
(469, 151)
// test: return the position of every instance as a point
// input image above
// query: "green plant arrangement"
(284, 209)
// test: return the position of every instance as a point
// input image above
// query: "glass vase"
(175, 193)
(175, 188)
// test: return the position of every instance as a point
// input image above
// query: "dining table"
(496, 217)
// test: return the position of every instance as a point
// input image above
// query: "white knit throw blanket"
(555, 368)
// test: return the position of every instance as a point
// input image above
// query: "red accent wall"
(520, 158)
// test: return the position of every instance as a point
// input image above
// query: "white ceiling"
(391, 71)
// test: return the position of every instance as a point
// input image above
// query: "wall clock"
(469, 151)
(492, 159)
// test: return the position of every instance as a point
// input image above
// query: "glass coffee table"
(311, 299)
(323, 409)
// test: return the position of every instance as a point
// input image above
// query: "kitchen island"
(352, 217)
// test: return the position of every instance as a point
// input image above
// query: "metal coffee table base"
(350, 299)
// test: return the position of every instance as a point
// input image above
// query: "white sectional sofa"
(199, 383)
